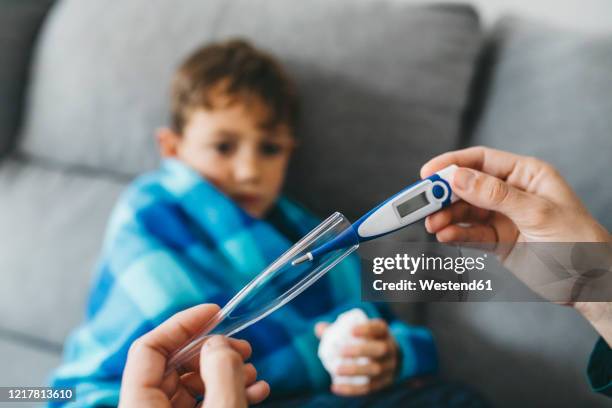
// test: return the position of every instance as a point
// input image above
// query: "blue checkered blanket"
(175, 241)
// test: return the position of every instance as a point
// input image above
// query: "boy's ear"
(167, 141)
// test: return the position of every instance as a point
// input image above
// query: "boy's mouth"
(247, 199)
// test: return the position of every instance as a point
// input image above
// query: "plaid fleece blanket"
(175, 241)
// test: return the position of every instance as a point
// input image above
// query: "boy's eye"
(271, 149)
(224, 147)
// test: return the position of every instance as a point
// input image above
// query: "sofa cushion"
(19, 24)
(51, 228)
(549, 96)
(518, 354)
(384, 85)
(24, 365)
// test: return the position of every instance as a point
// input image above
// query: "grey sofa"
(385, 86)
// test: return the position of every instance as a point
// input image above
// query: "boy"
(208, 221)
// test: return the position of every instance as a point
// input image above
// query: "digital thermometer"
(412, 204)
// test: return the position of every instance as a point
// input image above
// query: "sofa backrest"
(384, 85)
(549, 95)
(20, 21)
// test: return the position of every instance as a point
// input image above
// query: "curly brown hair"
(243, 70)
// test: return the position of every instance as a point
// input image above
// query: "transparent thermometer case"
(278, 284)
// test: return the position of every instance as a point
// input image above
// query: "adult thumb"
(491, 193)
(221, 368)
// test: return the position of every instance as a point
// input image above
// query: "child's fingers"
(374, 368)
(354, 390)
(375, 329)
(371, 369)
(320, 328)
(381, 382)
(347, 390)
(372, 348)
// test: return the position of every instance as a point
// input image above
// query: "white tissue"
(337, 336)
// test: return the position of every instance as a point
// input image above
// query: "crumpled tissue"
(337, 336)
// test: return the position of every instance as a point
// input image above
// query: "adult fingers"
(525, 173)
(257, 392)
(182, 398)
(147, 356)
(222, 372)
(474, 233)
(491, 193)
(459, 212)
(250, 374)
(241, 346)
(491, 161)
(192, 382)
(170, 383)
(175, 331)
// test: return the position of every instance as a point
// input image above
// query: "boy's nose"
(247, 169)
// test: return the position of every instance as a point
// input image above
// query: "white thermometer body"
(410, 205)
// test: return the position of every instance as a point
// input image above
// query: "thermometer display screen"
(413, 204)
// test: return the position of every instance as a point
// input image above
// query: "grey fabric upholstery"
(24, 365)
(394, 90)
(549, 97)
(517, 354)
(19, 24)
(112, 81)
(51, 228)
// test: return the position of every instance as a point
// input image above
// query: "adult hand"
(220, 370)
(379, 346)
(507, 198)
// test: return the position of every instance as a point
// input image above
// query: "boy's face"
(230, 146)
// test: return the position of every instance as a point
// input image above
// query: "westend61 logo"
(564, 272)
(412, 264)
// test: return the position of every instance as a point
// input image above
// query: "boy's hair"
(248, 72)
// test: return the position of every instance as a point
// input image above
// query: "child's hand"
(379, 346)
